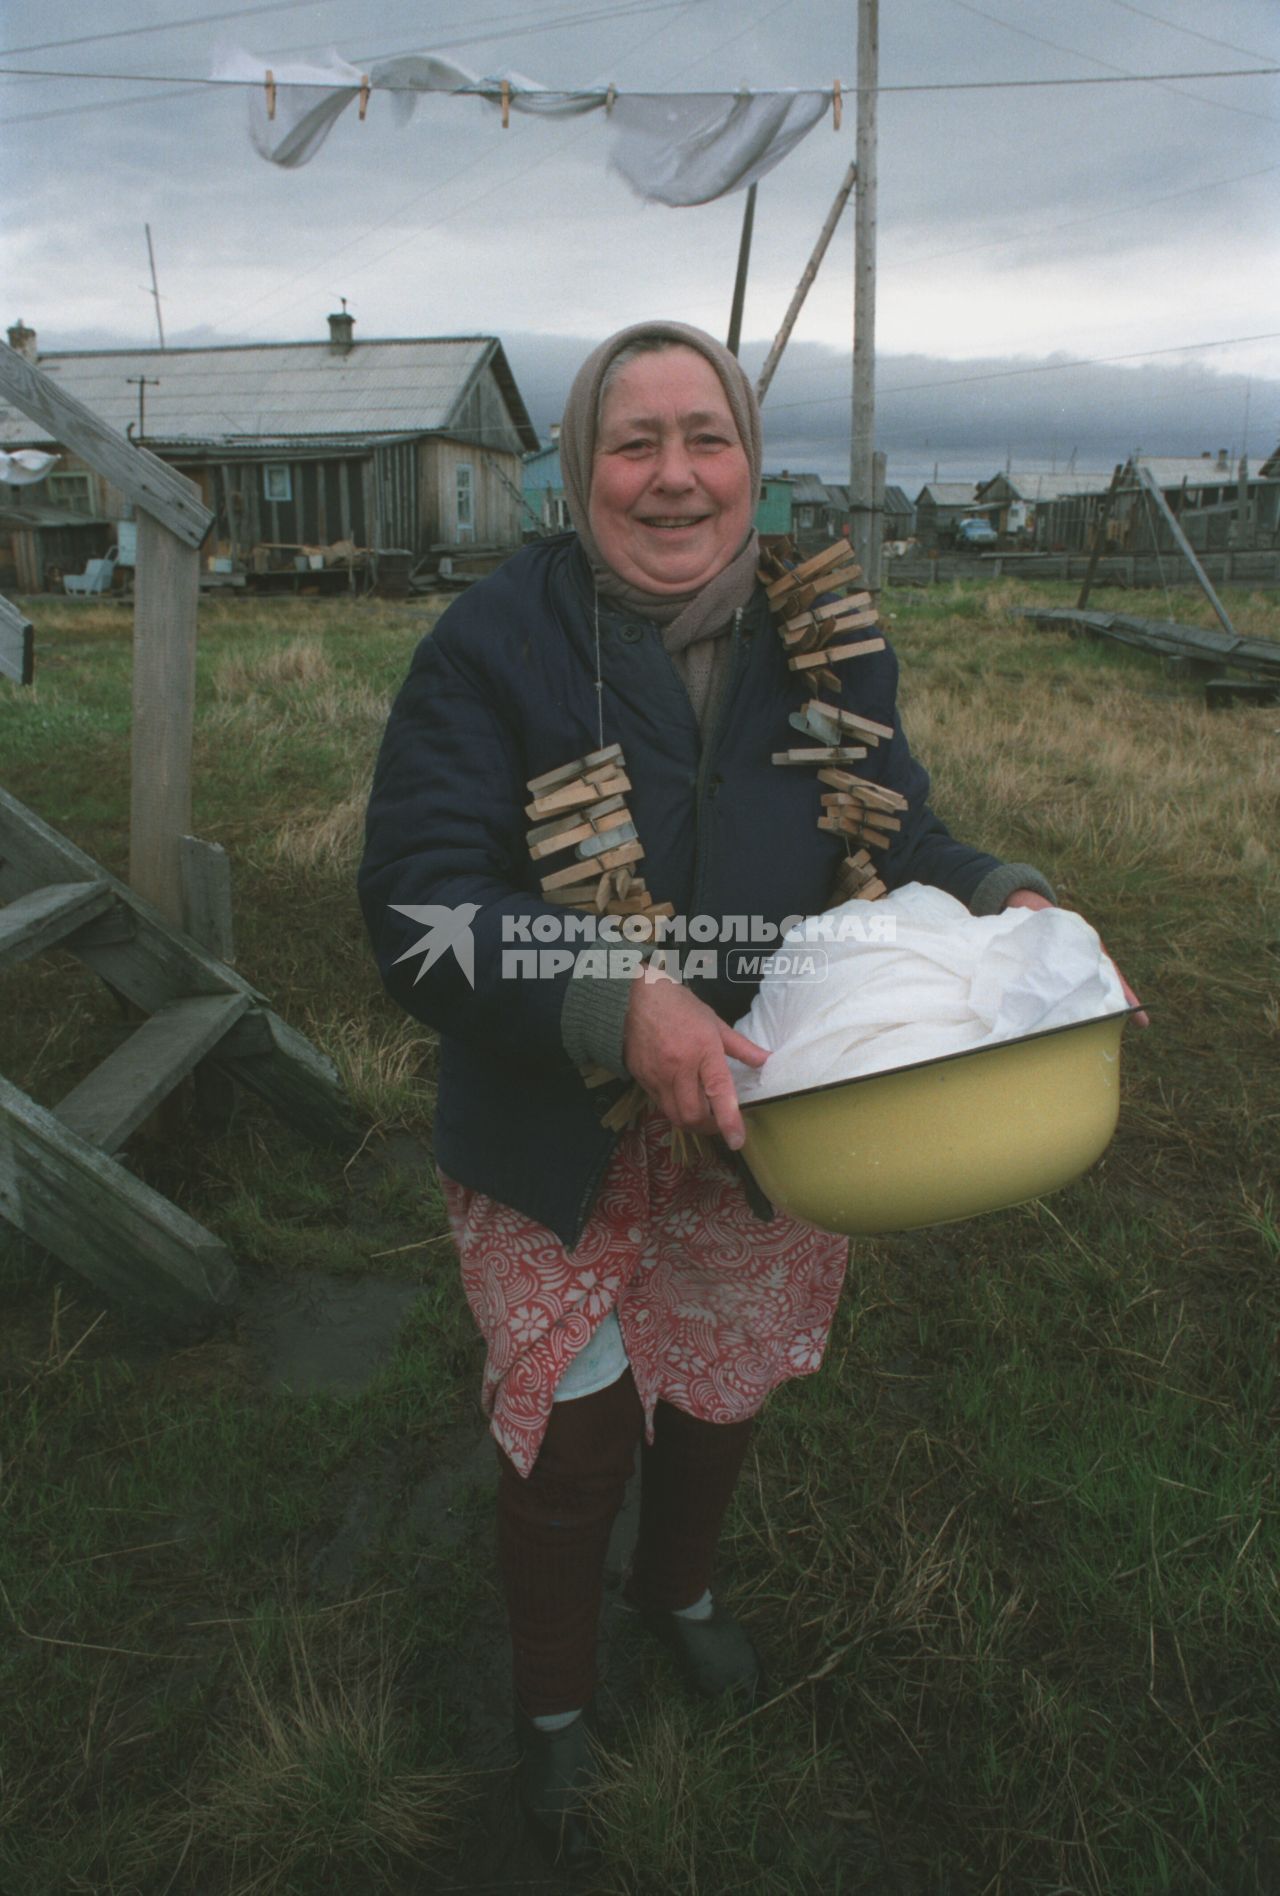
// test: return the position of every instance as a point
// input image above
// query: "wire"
(1045, 368)
(660, 6)
(162, 26)
(1073, 52)
(268, 296)
(191, 87)
(1174, 27)
(1073, 223)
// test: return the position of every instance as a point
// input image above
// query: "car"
(973, 530)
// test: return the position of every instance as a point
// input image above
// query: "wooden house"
(939, 505)
(413, 444)
(1017, 504)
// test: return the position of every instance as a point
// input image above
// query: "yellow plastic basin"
(943, 1139)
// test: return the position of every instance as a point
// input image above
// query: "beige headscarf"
(693, 624)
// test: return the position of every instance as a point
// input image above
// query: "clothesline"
(675, 148)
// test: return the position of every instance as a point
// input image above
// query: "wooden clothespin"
(506, 104)
(271, 93)
(837, 106)
(364, 94)
(609, 98)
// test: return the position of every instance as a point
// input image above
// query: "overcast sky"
(1130, 226)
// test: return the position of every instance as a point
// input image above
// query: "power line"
(1174, 26)
(1074, 52)
(1047, 368)
(162, 26)
(1074, 223)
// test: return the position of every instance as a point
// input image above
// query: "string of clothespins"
(579, 810)
(271, 87)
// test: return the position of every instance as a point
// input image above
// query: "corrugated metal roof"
(279, 391)
(1196, 470)
(947, 493)
(1039, 485)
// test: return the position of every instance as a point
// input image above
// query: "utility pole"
(862, 482)
(155, 287)
(142, 383)
(740, 281)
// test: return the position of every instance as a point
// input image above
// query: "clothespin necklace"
(814, 632)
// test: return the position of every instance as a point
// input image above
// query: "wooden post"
(167, 583)
(17, 653)
(740, 281)
(1099, 537)
(805, 284)
(865, 525)
(1148, 481)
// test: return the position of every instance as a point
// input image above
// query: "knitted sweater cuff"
(593, 1016)
(999, 884)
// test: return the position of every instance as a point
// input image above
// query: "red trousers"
(554, 1527)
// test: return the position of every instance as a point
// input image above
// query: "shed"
(412, 443)
(939, 504)
(773, 509)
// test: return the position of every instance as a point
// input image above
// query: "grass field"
(1012, 1557)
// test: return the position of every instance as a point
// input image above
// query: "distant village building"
(939, 505)
(413, 445)
(545, 509)
(1017, 504)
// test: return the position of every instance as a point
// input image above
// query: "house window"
(463, 497)
(70, 491)
(277, 482)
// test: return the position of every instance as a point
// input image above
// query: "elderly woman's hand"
(675, 1046)
(1028, 898)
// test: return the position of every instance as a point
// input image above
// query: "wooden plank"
(131, 1082)
(293, 1077)
(128, 1241)
(17, 645)
(43, 918)
(858, 649)
(150, 963)
(206, 895)
(141, 476)
(166, 593)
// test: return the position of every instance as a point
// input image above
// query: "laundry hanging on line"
(25, 466)
(678, 149)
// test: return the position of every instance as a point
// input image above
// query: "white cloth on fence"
(25, 466)
(918, 977)
(677, 149)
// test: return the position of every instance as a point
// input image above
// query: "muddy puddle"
(310, 1331)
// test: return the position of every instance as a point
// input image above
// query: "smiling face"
(671, 491)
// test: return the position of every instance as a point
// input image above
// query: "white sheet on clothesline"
(678, 149)
(25, 466)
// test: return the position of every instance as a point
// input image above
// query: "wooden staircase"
(61, 1183)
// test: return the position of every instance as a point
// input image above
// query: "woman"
(625, 1297)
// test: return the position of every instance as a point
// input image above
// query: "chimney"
(340, 328)
(1223, 459)
(23, 340)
